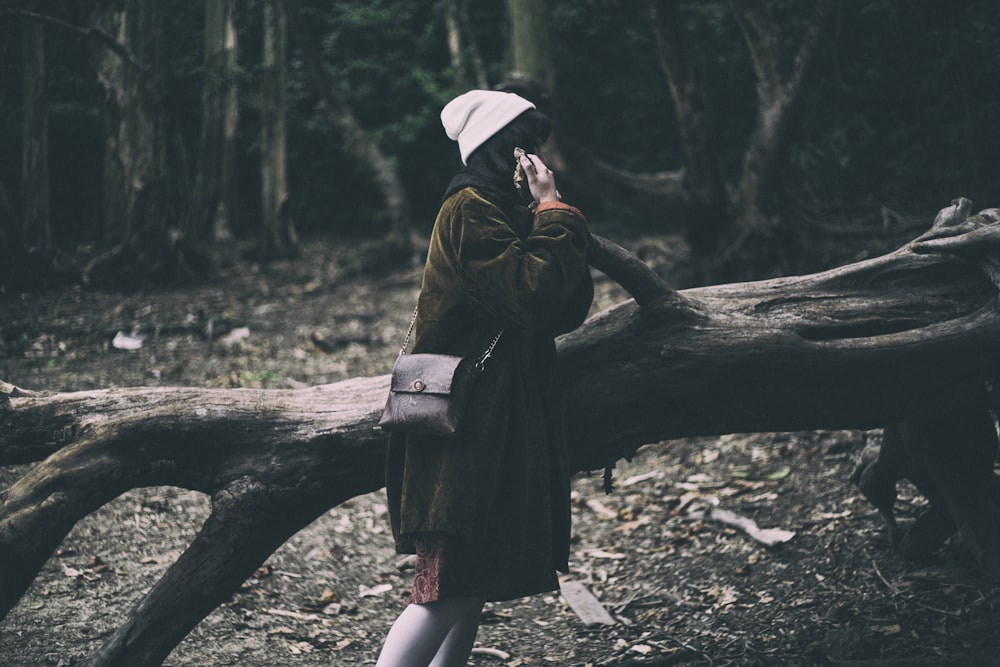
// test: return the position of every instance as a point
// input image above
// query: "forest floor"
(681, 587)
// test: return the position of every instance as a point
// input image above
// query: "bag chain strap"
(480, 364)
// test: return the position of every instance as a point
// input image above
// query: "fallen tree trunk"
(912, 333)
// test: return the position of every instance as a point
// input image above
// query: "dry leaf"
(160, 559)
(365, 591)
(724, 595)
(298, 648)
(299, 616)
(491, 652)
(235, 336)
(767, 536)
(686, 500)
(598, 553)
(629, 526)
(892, 629)
(601, 509)
(635, 479)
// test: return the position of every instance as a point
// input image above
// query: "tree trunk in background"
(779, 89)
(208, 216)
(359, 144)
(145, 181)
(531, 73)
(277, 233)
(704, 185)
(228, 211)
(730, 224)
(750, 245)
(530, 57)
(466, 61)
(36, 231)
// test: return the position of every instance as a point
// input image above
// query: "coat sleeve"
(540, 281)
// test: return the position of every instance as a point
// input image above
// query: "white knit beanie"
(475, 116)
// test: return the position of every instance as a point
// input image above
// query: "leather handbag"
(430, 392)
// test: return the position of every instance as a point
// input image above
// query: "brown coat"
(500, 490)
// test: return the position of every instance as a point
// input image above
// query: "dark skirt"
(444, 570)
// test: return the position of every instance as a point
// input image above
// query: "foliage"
(369, 49)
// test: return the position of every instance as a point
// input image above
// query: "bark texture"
(907, 339)
(530, 57)
(211, 207)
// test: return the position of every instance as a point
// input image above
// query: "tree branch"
(763, 39)
(647, 287)
(85, 32)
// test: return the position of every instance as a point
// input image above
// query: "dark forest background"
(144, 142)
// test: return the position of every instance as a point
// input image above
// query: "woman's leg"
(424, 631)
(457, 646)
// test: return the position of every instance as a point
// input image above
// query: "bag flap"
(424, 373)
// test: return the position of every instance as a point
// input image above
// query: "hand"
(541, 181)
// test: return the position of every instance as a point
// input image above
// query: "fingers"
(535, 168)
(527, 165)
(534, 162)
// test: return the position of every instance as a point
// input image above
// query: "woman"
(487, 512)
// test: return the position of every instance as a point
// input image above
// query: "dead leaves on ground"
(695, 536)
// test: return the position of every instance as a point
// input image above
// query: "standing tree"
(36, 230)
(228, 208)
(727, 219)
(466, 61)
(355, 140)
(780, 76)
(702, 181)
(277, 232)
(530, 57)
(531, 71)
(211, 206)
(145, 179)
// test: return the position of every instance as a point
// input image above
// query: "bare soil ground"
(682, 588)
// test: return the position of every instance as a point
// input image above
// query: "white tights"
(436, 634)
